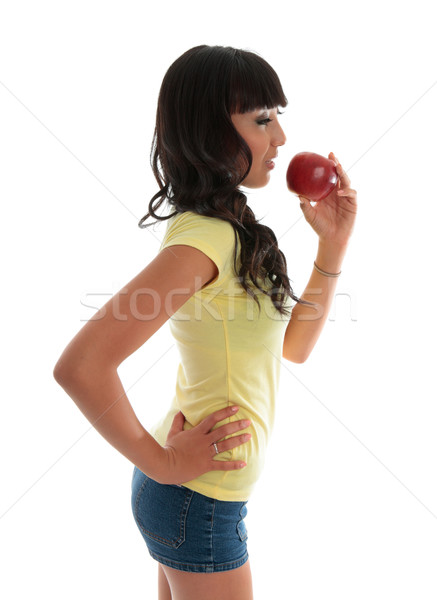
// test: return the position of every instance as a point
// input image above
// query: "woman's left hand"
(333, 217)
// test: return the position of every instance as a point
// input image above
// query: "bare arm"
(306, 322)
(87, 369)
(333, 220)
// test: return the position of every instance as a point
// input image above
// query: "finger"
(219, 415)
(305, 205)
(349, 192)
(213, 451)
(177, 424)
(343, 176)
(227, 465)
(232, 442)
(224, 430)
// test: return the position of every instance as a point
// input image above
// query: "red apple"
(311, 175)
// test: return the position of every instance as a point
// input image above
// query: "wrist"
(152, 459)
(330, 255)
(164, 466)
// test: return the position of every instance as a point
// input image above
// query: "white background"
(347, 504)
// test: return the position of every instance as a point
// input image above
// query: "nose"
(279, 138)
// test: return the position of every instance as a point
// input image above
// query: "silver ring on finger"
(215, 447)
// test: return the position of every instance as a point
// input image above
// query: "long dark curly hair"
(199, 159)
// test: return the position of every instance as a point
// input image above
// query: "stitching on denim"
(182, 518)
(138, 498)
(199, 566)
(212, 528)
(188, 496)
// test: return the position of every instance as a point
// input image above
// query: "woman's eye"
(264, 121)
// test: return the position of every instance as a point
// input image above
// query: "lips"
(270, 159)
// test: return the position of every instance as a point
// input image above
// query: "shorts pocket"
(241, 525)
(160, 511)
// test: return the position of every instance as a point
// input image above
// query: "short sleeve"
(213, 236)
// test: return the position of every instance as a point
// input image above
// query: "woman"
(222, 279)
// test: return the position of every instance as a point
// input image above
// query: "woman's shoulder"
(212, 236)
(202, 224)
(192, 216)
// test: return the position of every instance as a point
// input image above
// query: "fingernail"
(245, 423)
(235, 408)
(242, 465)
(247, 437)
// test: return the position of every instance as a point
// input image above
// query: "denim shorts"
(186, 530)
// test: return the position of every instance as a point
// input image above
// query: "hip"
(187, 530)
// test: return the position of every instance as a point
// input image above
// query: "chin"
(259, 183)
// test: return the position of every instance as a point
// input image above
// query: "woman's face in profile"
(263, 134)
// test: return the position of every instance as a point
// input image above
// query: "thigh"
(164, 592)
(235, 584)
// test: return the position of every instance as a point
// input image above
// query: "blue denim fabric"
(186, 530)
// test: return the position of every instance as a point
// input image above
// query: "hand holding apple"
(333, 219)
(311, 175)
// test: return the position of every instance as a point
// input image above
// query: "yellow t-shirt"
(229, 355)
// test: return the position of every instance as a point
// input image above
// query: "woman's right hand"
(191, 453)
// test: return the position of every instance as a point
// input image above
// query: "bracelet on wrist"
(325, 273)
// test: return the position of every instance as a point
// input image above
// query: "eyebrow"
(263, 113)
